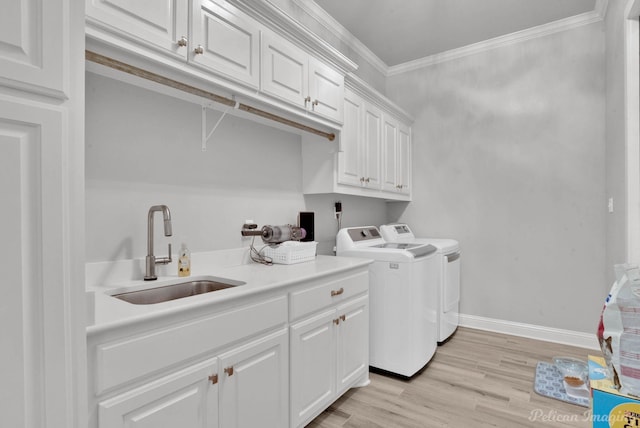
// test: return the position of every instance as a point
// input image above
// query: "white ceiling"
(399, 31)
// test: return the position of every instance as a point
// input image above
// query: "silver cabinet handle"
(199, 50)
(183, 41)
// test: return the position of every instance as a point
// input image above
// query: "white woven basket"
(291, 252)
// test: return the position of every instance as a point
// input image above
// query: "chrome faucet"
(151, 260)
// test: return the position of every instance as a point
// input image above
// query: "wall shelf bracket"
(205, 136)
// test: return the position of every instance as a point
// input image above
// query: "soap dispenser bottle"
(184, 261)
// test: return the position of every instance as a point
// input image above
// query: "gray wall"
(615, 135)
(509, 159)
(144, 148)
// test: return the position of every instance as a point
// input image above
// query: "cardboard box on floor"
(610, 408)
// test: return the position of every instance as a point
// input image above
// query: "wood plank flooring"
(476, 379)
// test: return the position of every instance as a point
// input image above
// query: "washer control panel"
(358, 234)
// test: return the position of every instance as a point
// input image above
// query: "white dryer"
(402, 297)
(448, 275)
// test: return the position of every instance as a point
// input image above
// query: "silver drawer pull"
(337, 292)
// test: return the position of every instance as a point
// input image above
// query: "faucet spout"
(151, 260)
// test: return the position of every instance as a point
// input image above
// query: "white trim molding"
(565, 24)
(531, 331)
(327, 21)
(312, 9)
(632, 128)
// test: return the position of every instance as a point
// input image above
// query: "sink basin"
(165, 293)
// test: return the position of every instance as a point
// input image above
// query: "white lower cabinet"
(329, 354)
(313, 366)
(186, 399)
(254, 384)
(272, 362)
(352, 342)
(244, 387)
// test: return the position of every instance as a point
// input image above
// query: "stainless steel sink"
(165, 293)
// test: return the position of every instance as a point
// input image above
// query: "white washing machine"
(402, 296)
(448, 276)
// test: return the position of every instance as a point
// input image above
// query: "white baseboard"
(548, 334)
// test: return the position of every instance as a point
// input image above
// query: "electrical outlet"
(610, 205)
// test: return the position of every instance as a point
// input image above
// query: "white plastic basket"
(291, 252)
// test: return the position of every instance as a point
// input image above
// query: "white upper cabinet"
(404, 160)
(350, 156)
(326, 90)
(285, 72)
(160, 24)
(292, 75)
(389, 147)
(371, 142)
(360, 139)
(31, 48)
(225, 40)
(373, 154)
(241, 48)
(396, 155)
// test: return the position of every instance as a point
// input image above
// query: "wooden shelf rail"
(139, 72)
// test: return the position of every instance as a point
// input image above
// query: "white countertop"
(106, 312)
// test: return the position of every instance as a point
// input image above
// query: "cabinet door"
(404, 160)
(372, 143)
(187, 399)
(254, 382)
(313, 366)
(159, 24)
(34, 334)
(352, 342)
(350, 160)
(226, 41)
(389, 150)
(31, 48)
(284, 71)
(326, 89)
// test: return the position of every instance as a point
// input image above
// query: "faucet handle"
(164, 260)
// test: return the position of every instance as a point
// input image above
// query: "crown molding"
(327, 21)
(268, 13)
(596, 15)
(312, 9)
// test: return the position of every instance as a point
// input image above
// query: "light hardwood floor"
(476, 379)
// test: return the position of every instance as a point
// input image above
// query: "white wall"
(144, 148)
(509, 156)
(615, 134)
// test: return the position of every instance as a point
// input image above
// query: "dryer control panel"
(358, 234)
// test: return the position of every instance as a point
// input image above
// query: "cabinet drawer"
(310, 299)
(124, 360)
